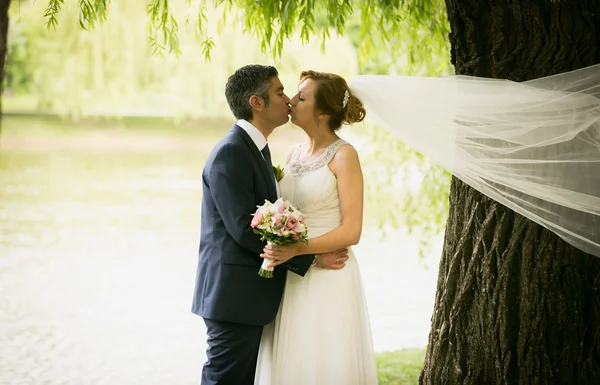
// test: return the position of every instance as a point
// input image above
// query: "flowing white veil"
(532, 146)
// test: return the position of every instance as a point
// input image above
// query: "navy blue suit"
(233, 299)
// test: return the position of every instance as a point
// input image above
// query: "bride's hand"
(280, 254)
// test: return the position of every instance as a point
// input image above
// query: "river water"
(98, 243)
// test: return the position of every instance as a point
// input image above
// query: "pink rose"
(273, 209)
(300, 228)
(276, 221)
(291, 223)
(257, 219)
(280, 205)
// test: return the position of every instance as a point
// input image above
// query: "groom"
(233, 299)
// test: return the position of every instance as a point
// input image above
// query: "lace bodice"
(312, 188)
(298, 168)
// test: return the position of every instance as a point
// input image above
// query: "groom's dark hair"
(252, 79)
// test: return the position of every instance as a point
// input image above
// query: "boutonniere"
(278, 171)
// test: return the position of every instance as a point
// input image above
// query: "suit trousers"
(232, 353)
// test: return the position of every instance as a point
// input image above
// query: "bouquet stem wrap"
(265, 270)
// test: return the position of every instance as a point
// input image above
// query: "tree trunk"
(515, 304)
(4, 5)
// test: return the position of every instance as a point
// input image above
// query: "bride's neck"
(320, 140)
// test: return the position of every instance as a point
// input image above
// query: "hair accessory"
(346, 97)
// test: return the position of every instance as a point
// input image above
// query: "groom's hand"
(334, 261)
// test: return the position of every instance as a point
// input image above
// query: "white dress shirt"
(259, 140)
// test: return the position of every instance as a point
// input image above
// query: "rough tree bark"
(4, 5)
(515, 304)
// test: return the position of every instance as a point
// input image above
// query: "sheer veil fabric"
(532, 146)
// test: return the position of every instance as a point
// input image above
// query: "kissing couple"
(308, 324)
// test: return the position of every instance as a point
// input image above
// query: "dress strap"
(297, 152)
(332, 149)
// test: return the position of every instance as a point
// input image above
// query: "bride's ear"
(323, 118)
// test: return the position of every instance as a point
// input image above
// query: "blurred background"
(101, 153)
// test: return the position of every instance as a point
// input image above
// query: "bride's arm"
(346, 167)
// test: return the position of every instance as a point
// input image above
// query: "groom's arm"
(300, 264)
(231, 187)
(333, 260)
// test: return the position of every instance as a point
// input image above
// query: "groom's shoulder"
(231, 140)
(234, 136)
(230, 144)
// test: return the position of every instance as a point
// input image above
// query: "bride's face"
(304, 113)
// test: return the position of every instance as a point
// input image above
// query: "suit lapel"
(267, 174)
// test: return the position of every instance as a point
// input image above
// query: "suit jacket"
(235, 180)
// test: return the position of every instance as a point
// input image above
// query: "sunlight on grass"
(401, 367)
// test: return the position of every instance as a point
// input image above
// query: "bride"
(321, 335)
(532, 146)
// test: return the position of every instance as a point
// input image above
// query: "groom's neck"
(262, 127)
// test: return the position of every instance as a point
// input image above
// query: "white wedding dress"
(321, 335)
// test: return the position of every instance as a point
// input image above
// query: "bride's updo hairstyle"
(333, 98)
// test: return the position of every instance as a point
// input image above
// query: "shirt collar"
(257, 137)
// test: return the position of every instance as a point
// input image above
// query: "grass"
(400, 367)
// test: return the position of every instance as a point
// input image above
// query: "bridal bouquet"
(278, 223)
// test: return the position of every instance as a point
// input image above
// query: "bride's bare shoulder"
(345, 158)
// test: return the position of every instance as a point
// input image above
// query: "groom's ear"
(256, 102)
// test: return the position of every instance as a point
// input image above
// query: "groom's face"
(278, 111)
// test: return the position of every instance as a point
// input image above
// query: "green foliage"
(163, 27)
(415, 29)
(18, 72)
(114, 69)
(54, 7)
(403, 188)
(91, 11)
(401, 367)
(388, 36)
